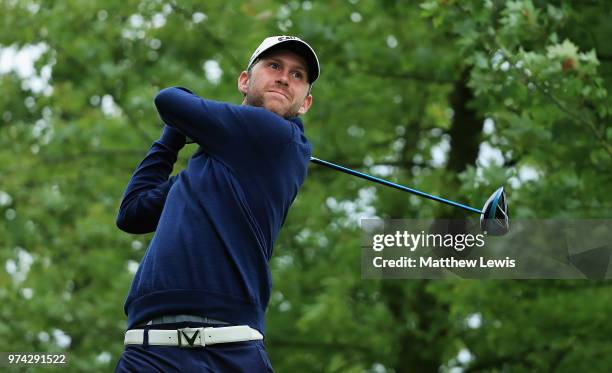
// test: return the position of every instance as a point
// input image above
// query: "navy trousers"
(249, 356)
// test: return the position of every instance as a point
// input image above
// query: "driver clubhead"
(494, 217)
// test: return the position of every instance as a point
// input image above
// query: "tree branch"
(558, 104)
(559, 356)
(219, 43)
(575, 116)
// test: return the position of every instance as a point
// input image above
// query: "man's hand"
(173, 138)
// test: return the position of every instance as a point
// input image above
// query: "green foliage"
(538, 73)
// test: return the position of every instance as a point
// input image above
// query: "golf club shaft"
(392, 185)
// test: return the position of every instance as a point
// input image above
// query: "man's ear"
(243, 82)
(305, 105)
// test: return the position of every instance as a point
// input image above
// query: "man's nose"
(282, 78)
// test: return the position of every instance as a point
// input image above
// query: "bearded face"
(279, 83)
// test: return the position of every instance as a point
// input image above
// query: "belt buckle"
(190, 337)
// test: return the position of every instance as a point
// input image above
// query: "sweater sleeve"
(145, 195)
(233, 133)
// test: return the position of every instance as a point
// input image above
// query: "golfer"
(198, 299)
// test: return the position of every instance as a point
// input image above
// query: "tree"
(415, 92)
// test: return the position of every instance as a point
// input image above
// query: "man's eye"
(273, 65)
(298, 75)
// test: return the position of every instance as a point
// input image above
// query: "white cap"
(294, 44)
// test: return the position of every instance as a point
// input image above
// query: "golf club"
(493, 216)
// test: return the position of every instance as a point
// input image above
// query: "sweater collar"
(297, 121)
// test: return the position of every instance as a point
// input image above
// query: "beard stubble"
(254, 98)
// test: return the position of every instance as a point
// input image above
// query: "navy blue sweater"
(216, 221)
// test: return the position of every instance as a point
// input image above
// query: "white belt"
(194, 337)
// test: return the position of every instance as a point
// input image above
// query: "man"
(204, 279)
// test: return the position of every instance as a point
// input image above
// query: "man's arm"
(223, 130)
(145, 195)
